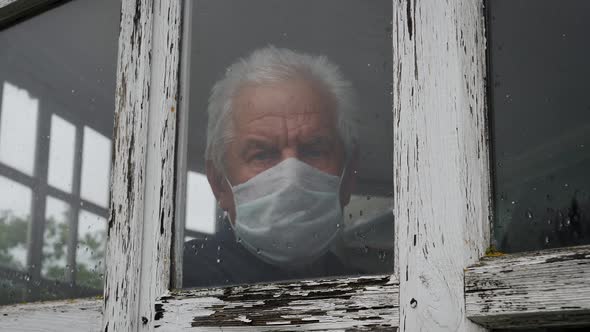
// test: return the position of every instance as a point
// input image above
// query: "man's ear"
(349, 178)
(219, 186)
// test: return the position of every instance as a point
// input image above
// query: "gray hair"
(269, 65)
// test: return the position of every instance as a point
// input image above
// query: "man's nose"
(289, 152)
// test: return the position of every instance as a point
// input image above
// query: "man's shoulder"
(216, 262)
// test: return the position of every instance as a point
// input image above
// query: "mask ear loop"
(231, 222)
(340, 184)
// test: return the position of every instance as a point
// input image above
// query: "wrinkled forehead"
(296, 103)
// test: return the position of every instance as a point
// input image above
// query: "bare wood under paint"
(358, 304)
(534, 289)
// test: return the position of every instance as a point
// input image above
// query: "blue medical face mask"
(289, 214)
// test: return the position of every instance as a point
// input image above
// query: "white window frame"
(442, 203)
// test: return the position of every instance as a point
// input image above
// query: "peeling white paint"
(353, 303)
(533, 289)
(441, 175)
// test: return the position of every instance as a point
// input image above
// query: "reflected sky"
(17, 128)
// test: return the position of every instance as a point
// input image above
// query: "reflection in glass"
(55, 243)
(90, 251)
(18, 127)
(541, 122)
(57, 84)
(15, 216)
(96, 162)
(61, 153)
(199, 217)
(293, 140)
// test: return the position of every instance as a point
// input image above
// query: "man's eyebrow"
(256, 143)
(318, 140)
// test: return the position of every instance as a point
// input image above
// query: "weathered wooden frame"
(12, 11)
(442, 204)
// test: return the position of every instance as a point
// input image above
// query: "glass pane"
(289, 141)
(61, 153)
(539, 55)
(199, 217)
(55, 243)
(15, 215)
(96, 167)
(57, 77)
(15, 218)
(90, 253)
(17, 128)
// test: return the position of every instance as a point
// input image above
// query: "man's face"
(273, 122)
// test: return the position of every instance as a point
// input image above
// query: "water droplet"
(258, 251)
(382, 255)
(337, 225)
(513, 202)
(368, 197)
(218, 261)
(361, 213)
(366, 249)
(529, 214)
(413, 303)
(549, 221)
(239, 240)
(218, 248)
(546, 239)
(568, 221)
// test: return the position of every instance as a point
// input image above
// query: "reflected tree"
(15, 282)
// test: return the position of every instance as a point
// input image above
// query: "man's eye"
(262, 155)
(314, 152)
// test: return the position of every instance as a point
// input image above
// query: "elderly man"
(281, 159)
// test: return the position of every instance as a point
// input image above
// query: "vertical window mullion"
(441, 159)
(37, 225)
(75, 206)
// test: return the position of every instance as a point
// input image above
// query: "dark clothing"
(220, 260)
